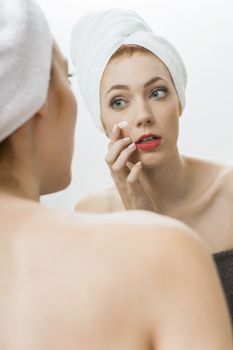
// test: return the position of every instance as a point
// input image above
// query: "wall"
(202, 32)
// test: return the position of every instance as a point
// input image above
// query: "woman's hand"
(126, 174)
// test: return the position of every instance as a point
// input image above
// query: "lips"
(147, 138)
(148, 142)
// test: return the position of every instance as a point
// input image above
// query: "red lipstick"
(148, 142)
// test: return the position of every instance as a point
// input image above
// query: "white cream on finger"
(123, 124)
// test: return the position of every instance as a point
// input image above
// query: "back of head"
(25, 62)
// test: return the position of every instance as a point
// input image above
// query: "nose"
(143, 114)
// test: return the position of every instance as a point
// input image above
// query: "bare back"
(59, 285)
(95, 282)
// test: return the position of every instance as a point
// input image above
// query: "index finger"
(116, 131)
(115, 134)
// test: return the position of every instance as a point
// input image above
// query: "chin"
(151, 164)
(65, 182)
(148, 159)
(63, 187)
(58, 185)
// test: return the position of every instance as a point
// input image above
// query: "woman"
(137, 95)
(75, 281)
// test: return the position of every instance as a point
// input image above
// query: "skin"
(54, 121)
(197, 192)
(78, 281)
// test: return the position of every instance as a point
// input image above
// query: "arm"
(187, 307)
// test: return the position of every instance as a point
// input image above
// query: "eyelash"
(115, 100)
(164, 89)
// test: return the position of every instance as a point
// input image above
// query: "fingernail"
(114, 129)
(132, 145)
(123, 124)
(139, 163)
(126, 139)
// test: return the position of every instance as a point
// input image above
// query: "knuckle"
(115, 142)
(130, 180)
(110, 144)
(106, 158)
(115, 167)
(122, 143)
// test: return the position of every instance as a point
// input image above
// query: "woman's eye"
(158, 93)
(118, 103)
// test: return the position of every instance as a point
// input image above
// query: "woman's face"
(57, 136)
(139, 89)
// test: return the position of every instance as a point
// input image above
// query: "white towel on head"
(98, 35)
(25, 62)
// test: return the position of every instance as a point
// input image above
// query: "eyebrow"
(125, 87)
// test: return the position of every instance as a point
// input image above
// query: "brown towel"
(224, 263)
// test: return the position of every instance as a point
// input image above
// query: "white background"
(202, 31)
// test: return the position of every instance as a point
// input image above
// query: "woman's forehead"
(137, 67)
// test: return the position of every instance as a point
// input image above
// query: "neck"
(19, 183)
(166, 184)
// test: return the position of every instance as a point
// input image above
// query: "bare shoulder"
(207, 165)
(72, 240)
(89, 268)
(132, 232)
(102, 201)
(52, 226)
(227, 179)
(214, 173)
(224, 179)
